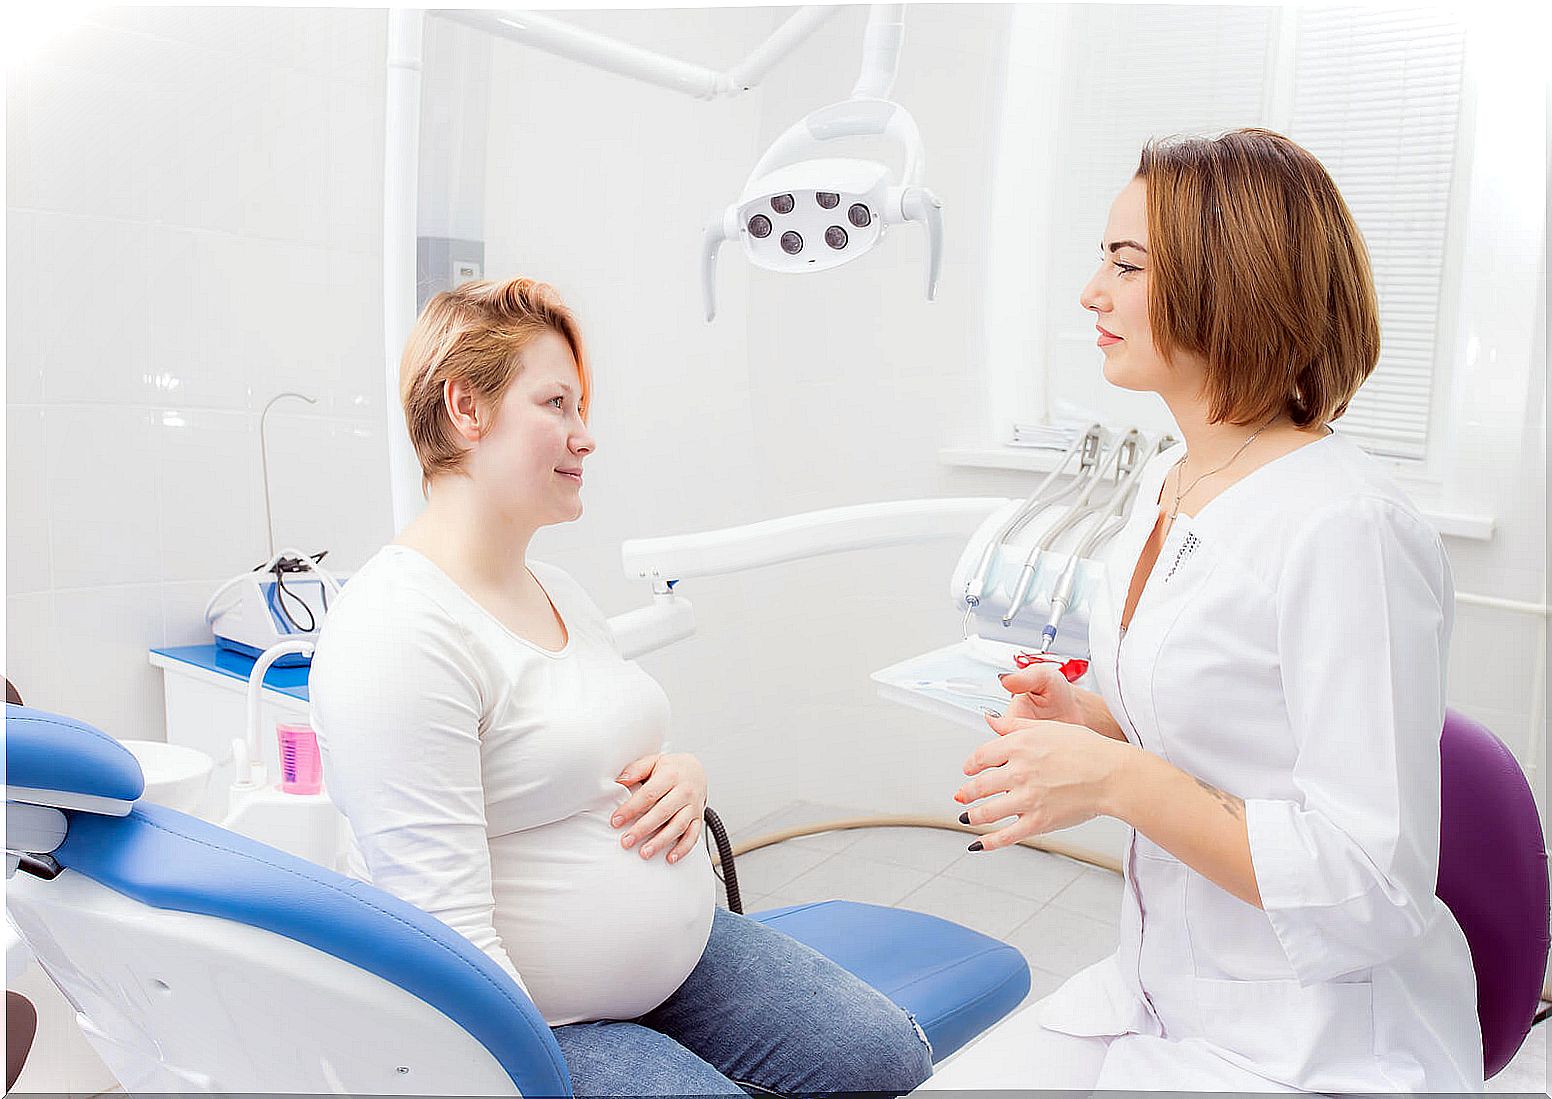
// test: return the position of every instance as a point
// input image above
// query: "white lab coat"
(1289, 648)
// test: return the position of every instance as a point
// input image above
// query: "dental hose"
(729, 876)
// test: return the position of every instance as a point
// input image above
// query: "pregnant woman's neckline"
(564, 650)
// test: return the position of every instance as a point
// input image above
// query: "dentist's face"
(1118, 295)
(531, 458)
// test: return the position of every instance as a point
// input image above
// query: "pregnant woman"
(503, 767)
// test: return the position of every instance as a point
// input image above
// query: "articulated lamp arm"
(666, 561)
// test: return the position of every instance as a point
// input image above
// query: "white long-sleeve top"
(476, 770)
(1289, 648)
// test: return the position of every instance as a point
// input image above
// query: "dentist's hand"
(1047, 775)
(664, 812)
(1041, 693)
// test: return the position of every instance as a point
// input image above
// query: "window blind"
(1376, 96)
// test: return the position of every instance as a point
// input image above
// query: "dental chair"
(202, 961)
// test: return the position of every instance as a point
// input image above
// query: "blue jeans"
(759, 1013)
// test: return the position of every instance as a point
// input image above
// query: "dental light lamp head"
(800, 215)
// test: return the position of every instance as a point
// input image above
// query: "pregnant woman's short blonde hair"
(475, 334)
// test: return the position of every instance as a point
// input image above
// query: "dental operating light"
(801, 213)
(800, 210)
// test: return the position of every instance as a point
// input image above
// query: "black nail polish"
(964, 818)
(976, 846)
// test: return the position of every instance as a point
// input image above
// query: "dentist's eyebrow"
(1117, 245)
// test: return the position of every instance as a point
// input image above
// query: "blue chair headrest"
(67, 764)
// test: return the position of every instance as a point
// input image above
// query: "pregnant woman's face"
(531, 457)
(1118, 296)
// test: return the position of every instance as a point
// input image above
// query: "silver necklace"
(1181, 493)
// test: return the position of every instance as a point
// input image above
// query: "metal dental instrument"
(1062, 595)
(1086, 444)
(1114, 520)
(1125, 452)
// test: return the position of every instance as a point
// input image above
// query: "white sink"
(175, 775)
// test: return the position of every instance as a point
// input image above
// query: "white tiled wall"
(193, 225)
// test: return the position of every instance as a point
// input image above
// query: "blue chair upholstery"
(46, 754)
(955, 981)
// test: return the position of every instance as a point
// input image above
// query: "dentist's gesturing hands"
(666, 807)
(1045, 774)
(1040, 692)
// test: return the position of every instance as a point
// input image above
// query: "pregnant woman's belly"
(596, 931)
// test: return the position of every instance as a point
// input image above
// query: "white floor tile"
(781, 900)
(1037, 875)
(1095, 893)
(854, 879)
(1527, 1073)
(1064, 942)
(801, 813)
(980, 907)
(752, 902)
(770, 868)
(929, 849)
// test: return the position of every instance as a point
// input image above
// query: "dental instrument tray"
(957, 682)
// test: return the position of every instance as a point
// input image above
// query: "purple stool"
(1493, 878)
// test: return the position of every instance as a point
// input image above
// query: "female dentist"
(1270, 651)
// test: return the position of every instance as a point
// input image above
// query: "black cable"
(725, 860)
(284, 565)
(281, 592)
(1541, 1016)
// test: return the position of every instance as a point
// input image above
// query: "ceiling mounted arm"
(600, 51)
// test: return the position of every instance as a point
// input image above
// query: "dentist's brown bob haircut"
(1259, 268)
(475, 334)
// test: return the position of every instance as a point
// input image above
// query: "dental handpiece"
(1114, 520)
(1033, 505)
(1062, 596)
(1081, 511)
(1027, 572)
(1026, 578)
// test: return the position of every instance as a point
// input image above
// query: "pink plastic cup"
(301, 770)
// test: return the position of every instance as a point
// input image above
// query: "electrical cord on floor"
(1541, 1016)
(716, 833)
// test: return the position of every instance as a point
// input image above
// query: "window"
(1375, 94)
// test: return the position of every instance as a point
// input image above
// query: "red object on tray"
(1072, 670)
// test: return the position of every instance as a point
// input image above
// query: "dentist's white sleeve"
(396, 703)
(1347, 872)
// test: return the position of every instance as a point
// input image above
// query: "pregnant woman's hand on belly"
(664, 812)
